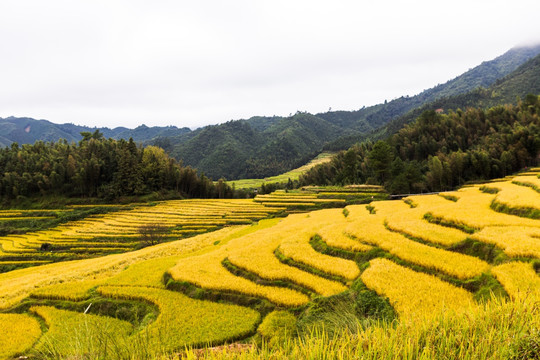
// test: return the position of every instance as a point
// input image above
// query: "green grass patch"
(277, 327)
(411, 203)
(449, 197)
(484, 251)
(530, 213)
(353, 310)
(489, 189)
(443, 222)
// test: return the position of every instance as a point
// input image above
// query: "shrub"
(277, 326)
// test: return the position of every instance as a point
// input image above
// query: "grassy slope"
(282, 178)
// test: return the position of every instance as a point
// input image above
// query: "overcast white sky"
(192, 63)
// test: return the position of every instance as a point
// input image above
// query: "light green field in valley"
(283, 178)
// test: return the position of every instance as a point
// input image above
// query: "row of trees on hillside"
(99, 167)
(442, 151)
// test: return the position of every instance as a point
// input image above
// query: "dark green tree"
(380, 159)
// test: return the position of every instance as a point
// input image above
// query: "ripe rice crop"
(277, 195)
(12, 218)
(371, 229)
(188, 322)
(414, 294)
(519, 279)
(18, 332)
(258, 256)
(72, 291)
(125, 224)
(32, 211)
(16, 285)
(294, 199)
(497, 330)
(193, 227)
(532, 181)
(402, 218)
(100, 205)
(514, 240)
(96, 249)
(285, 204)
(273, 260)
(472, 210)
(189, 231)
(148, 273)
(362, 188)
(10, 212)
(71, 333)
(516, 196)
(297, 247)
(334, 236)
(21, 262)
(14, 245)
(207, 272)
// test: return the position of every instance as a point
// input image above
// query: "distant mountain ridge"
(264, 146)
(481, 76)
(27, 131)
(506, 90)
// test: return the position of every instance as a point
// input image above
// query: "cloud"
(194, 63)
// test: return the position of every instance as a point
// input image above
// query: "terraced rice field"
(423, 255)
(321, 196)
(119, 231)
(19, 332)
(414, 294)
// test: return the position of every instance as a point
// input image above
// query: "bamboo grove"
(99, 167)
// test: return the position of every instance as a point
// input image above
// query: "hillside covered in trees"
(507, 90)
(98, 167)
(236, 150)
(442, 151)
(266, 146)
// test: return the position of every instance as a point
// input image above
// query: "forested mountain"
(265, 146)
(507, 90)
(28, 131)
(442, 151)
(238, 149)
(405, 109)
